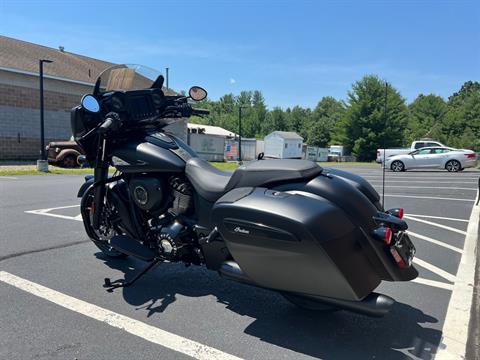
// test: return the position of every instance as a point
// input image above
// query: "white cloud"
(232, 81)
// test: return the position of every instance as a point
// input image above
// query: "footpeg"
(111, 285)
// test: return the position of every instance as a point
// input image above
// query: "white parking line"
(437, 217)
(436, 242)
(426, 187)
(392, 177)
(8, 177)
(429, 197)
(435, 269)
(437, 284)
(456, 326)
(47, 212)
(150, 333)
(436, 224)
(474, 183)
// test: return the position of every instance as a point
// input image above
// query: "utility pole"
(42, 164)
(384, 141)
(166, 75)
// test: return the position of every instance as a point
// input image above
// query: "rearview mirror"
(197, 93)
(90, 104)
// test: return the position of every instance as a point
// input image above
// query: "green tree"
(275, 121)
(462, 123)
(323, 120)
(426, 118)
(298, 119)
(364, 128)
(259, 113)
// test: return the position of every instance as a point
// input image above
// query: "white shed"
(283, 145)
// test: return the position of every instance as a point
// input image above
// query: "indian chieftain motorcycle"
(320, 237)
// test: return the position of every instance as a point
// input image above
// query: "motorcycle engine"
(147, 192)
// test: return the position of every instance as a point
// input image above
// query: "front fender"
(83, 189)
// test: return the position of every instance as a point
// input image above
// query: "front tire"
(453, 166)
(102, 236)
(307, 303)
(397, 166)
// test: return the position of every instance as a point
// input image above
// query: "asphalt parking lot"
(53, 304)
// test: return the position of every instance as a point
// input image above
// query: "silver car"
(452, 160)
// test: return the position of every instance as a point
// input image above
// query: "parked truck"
(398, 151)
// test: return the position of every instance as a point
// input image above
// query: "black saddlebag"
(295, 242)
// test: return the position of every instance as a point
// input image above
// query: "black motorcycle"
(318, 236)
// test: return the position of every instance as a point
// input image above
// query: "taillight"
(384, 234)
(398, 259)
(471, 156)
(388, 236)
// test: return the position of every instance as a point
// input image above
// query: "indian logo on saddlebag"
(238, 229)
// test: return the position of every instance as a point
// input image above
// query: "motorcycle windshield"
(127, 77)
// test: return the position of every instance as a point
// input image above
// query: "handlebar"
(200, 111)
(105, 126)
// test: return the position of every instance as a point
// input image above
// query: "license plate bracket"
(403, 250)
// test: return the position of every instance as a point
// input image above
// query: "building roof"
(22, 55)
(290, 135)
(212, 130)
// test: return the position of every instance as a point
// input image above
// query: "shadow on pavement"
(402, 334)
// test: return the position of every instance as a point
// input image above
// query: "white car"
(452, 160)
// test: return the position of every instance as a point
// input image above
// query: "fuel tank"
(156, 152)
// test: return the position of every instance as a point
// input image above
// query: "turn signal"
(397, 212)
(384, 233)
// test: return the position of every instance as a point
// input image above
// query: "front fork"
(100, 175)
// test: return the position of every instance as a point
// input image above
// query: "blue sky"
(295, 52)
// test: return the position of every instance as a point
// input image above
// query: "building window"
(299, 145)
(286, 145)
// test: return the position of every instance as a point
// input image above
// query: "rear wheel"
(453, 166)
(307, 303)
(106, 231)
(397, 166)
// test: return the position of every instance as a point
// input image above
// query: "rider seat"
(211, 183)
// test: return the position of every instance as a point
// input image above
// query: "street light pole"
(240, 133)
(42, 164)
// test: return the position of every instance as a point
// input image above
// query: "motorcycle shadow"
(338, 335)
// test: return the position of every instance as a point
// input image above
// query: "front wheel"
(307, 303)
(397, 166)
(453, 166)
(106, 231)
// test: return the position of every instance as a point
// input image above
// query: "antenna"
(384, 146)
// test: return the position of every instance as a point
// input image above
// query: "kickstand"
(121, 283)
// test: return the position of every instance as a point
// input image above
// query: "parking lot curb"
(473, 343)
(458, 321)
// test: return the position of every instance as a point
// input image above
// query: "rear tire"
(106, 231)
(453, 166)
(307, 303)
(397, 166)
